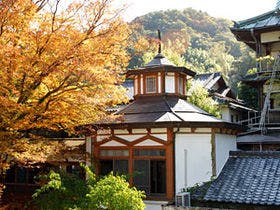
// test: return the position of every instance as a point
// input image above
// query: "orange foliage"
(59, 68)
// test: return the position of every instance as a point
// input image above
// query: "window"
(148, 165)
(113, 153)
(151, 84)
(21, 175)
(150, 176)
(149, 152)
(236, 118)
(181, 85)
(119, 167)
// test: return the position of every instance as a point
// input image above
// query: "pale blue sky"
(231, 9)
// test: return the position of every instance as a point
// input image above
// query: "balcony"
(272, 120)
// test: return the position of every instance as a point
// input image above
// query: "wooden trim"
(163, 82)
(113, 157)
(114, 138)
(149, 158)
(95, 159)
(135, 80)
(149, 147)
(148, 136)
(184, 85)
(145, 82)
(131, 146)
(139, 85)
(170, 182)
(113, 148)
(176, 81)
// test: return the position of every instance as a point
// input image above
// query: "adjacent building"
(231, 109)
(262, 34)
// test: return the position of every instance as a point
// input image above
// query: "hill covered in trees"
(196, 40)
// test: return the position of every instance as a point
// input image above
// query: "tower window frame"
(151, 84)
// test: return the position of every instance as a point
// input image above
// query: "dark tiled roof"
(164, 109)
(248, 178)
(262, 23)
(160, 68)
(266, 20)
(216, 85)
(159, 60)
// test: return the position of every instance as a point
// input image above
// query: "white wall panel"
(224, 144)
(193, 163)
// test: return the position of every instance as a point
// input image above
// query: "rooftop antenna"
(159, 42)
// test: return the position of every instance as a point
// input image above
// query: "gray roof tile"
(249, 178)
(164, 109)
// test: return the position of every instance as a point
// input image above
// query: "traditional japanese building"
(231, 108)
(163, 141)
(262, 34)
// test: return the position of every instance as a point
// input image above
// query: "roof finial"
(159, 42)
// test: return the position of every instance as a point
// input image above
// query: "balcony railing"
(253, 120)
(266, 64)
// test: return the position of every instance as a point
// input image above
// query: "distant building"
(262, 34)
(232, 109)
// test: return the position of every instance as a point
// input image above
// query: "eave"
(160, 69)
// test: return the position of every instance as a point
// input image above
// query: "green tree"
(208, 44)
(199, 96)
(66, 191)
(114, 193)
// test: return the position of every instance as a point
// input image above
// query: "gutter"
(256, 41)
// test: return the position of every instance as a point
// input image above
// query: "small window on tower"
(181, 85)
(151, 84)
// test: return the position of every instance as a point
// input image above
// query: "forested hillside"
(196, 40)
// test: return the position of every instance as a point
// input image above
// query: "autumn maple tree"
(61, 64)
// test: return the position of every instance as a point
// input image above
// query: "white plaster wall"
(225, 114)
(131, 137)
(160, 136)
(159, 83)
(193, 162)
(141, 84)
(275, 49)
(136, 86)
(224, 144)
(169, 84)
(158, 130)
(270, 36)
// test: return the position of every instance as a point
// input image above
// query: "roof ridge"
(262, 154)
(254, 19)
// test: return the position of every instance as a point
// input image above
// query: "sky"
(231, 9)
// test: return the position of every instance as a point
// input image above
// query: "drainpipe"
(258, 53)
(258, 50)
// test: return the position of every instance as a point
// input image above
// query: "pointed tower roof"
(160, 63)
(159, 59)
